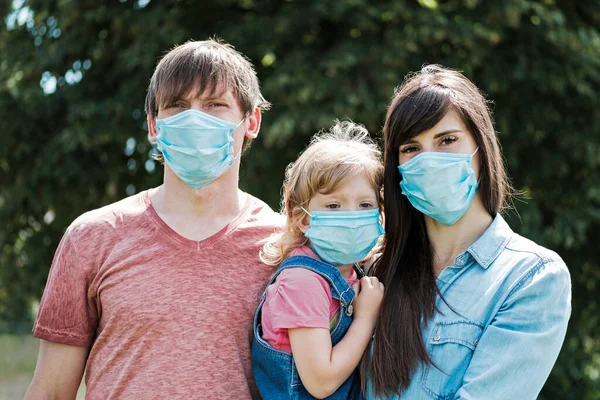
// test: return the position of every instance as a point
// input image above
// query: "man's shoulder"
(110, 217)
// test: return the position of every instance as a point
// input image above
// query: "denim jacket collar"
(489, 246)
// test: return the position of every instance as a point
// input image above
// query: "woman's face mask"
(440, 185)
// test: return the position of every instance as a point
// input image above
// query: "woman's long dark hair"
(406, 267)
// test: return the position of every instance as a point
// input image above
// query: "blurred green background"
(73, 76)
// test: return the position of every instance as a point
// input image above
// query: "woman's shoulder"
(532, 263)
(529, 253)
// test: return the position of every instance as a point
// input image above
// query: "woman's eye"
(448, 140)
(332, 206)
(366, 205)
(409, 149)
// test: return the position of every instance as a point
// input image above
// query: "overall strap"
(342, 290)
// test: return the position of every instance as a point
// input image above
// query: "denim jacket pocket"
(451, 346)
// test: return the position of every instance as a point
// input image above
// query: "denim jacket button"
(436, 337)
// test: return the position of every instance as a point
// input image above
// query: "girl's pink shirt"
(298, 298)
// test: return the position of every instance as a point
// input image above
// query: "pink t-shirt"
(164, 317)
(299, 298)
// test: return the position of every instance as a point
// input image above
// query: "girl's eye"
(448, 140)
(332, 206)
(366, 205)
(409, 149)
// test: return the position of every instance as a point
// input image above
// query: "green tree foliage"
(73, 76)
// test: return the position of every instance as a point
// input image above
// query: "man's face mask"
(196, 146)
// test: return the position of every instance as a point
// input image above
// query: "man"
(155, 294)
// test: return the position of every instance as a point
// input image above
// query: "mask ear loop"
(238, 125)
(476, 150)
(240, 152)
(304, 209)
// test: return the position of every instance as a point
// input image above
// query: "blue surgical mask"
(343, 237)
(197, 146)
(440, 185)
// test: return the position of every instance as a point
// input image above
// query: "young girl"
(316, 317)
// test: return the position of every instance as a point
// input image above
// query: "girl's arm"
(322, 368)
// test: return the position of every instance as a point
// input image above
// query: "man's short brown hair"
(207, 66)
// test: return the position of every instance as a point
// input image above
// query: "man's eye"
(176, 105)
(217, 105)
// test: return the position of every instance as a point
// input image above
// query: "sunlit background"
(73, 77)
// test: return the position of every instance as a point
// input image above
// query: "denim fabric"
(274, 371)
(510, 301)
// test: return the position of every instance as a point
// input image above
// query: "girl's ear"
(303, 226)
(303, 221)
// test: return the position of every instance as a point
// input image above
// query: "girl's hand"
(369, 295)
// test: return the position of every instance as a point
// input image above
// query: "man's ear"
(254, 118)
(152, 132)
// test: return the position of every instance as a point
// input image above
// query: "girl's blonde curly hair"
(332, 158)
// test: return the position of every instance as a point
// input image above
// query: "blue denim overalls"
(274, 371)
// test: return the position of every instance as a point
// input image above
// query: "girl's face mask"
(344, 237)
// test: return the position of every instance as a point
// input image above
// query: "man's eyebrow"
(212, 98)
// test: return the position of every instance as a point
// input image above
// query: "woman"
(472, 310)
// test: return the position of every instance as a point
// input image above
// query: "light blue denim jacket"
(512, 300)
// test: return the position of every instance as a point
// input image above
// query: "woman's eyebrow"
(437, 135)
(411, 141)
(446, 132)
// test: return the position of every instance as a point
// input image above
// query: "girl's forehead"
(356, 186)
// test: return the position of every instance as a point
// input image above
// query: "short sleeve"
(67, 315)
(302, 300)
